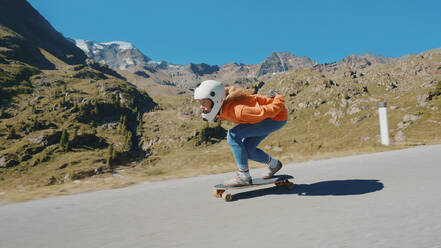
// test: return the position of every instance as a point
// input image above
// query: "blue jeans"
(244, 139)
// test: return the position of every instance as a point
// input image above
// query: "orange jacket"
(254, 109)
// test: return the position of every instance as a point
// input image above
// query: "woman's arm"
(267, 108)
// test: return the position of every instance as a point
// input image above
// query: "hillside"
(331, 113)
(61, 121)
(69, 124)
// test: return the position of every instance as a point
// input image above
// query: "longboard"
(279, 181)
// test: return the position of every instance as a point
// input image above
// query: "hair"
(236, 92)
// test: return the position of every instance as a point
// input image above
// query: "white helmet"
(214, 91)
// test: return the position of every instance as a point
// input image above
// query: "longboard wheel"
(218, 193)
(279, 184)
(289, 185)
(227, 196)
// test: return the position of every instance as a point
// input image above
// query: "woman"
(257, 116)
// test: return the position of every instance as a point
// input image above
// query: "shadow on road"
(337, 188)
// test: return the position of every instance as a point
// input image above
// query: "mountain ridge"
(33, 30)
(188, 76)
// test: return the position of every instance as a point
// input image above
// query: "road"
(389, 199)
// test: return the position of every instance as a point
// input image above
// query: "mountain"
(117, 54)
(354, 62)
(125, 56)
(25, 35)
(283, 61)
(146, 73)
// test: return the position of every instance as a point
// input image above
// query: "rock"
(410, 117)
(392, 85)
(304, 105)
(46, 139)
(353, 110)
(147, 144)
(408, 120)
(99, 170)
(358, 119)
(423, 100)
(336, 115)
(429, 84)
(67, 178)
(7, 161)
(2, 162)
(400, 138)
(343, 103)
(110, 125)
(402, 125)
(51, 181)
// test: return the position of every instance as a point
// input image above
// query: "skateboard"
(279, 181)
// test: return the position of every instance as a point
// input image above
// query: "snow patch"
(121, 44)
(98, 46)
(129, 61)
(82, 45)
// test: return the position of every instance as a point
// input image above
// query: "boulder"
(423, 100)
(408, 120)
(336, 115)
(400, 138)
(7, 161)
(46, 139)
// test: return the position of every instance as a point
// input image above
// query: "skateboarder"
(257, 116)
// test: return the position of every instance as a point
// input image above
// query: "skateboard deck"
(279, 181)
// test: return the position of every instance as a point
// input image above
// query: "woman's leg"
(244, 139)
(255, 153)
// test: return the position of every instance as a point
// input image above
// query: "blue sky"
(246, 31)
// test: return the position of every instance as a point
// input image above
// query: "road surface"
(389, 199)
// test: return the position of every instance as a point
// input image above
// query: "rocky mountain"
(25, 36)
(283, 61)
(354, 62)
(126, 57)
(118, 54)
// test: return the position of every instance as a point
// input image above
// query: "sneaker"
(238, 181)
(271, 171)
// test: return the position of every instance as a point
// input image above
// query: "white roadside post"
(384, 130)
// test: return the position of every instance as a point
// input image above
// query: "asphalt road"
(389, 199)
